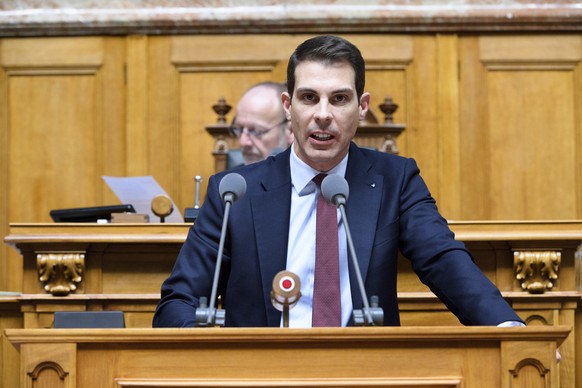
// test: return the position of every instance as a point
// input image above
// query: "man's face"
(258, 116)
(324, 112)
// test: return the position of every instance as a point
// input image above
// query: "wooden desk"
(348, 357)
(124, 266)
(136, 258)
(114, 258)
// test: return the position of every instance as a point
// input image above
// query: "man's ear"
(364, 105)
(286, 100)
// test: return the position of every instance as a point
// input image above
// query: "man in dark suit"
(272, 227)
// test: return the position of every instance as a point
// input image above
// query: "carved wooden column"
(224, 141)
(380, 135)
(388, 107)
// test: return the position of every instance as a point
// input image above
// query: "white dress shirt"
(301, 247)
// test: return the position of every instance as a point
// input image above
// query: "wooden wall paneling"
(4, 152)
(162, 127)
(388, 62)
(577, 80)
(473, 118)
(429, 103)
(64, 119)
(448, 125)
(112, 115)
(208, 68)
(420, 136)
(136, 73)
(532, 132)
(530, 127)
(53, 146)
(431, 107)
(47, 80)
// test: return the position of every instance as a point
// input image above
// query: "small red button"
(287, 283)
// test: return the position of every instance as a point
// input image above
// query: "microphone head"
(232, 187)
(335, 189)
(286, 290)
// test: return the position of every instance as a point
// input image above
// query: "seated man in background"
(260, 122)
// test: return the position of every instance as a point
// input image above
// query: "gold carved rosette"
(537, 270)
(60, 272)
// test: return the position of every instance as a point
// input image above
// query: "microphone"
(231, 188)
(336, 191)
(285, 293)
(191, 213)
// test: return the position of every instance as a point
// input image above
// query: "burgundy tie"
(326, 290)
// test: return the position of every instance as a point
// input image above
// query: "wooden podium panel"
(328, 357)
(125, 264)
(114, 258)
(136, 258)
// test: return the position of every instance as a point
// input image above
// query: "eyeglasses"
(257, 131)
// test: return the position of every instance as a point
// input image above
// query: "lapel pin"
(373, 185)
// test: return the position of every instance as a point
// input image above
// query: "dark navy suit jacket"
(389, 209)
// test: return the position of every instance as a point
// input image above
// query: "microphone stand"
(368, 316)
(285, 313)
(209, 315)
(190, 214)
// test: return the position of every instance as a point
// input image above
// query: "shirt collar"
(302, 174)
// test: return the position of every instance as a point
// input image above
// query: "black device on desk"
(89, 214)
(89, 319)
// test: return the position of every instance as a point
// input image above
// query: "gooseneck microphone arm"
(227, 206)
(232, 187)
(335, 189)
(354, 258)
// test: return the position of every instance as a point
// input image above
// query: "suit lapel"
(270, 210)
(362, 210)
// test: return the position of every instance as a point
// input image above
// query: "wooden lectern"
(123, 266)
(436, 357)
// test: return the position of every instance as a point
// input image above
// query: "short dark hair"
(328, 49)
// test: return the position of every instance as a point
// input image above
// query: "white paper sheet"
(139, 192)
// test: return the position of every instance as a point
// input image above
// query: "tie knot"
(318, 179)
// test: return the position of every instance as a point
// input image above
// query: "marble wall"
(111, 17)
